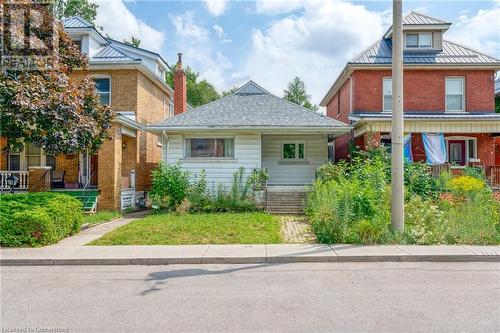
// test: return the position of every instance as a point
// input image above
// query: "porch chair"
(58, 179)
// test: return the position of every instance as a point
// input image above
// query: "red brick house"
(448, 88)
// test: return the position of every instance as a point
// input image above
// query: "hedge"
(38, 219)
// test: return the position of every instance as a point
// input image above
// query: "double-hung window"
(293, 150)
(421, 40)
(33, 154)
(454, 94)
(387, 99)
(103, 87)
(210, 147)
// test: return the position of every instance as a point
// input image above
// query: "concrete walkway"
(94, 232)
(67, 254)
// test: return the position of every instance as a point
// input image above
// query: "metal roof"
(497, 86)
(452, 53)
(251, 106)
(112, 55)
(414, 18)
(76, 22)
(487, 116)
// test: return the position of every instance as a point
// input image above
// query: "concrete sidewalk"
(64, 254)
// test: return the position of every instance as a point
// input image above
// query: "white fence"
(23, 180)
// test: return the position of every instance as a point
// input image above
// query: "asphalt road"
(381, 297)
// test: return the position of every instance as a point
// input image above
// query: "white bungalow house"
(250, 128)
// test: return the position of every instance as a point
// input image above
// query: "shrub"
(465, 185)
(423, 222)
(475, 172)
(474, 220)
(38, 219)
(419, 181)
(198, 193)
(170, 186)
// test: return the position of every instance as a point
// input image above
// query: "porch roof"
(250, 108)
(415, 116)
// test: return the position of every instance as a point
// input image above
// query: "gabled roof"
(76, 22)
(250, 107)
(418, 18)
(381, 53)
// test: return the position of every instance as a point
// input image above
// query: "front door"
(93, 170)
(456, 151)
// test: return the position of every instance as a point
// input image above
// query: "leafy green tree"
(136, 42)
(296, 93)
(230, 91)
(46, 107)
(82, 8)
(198, 92)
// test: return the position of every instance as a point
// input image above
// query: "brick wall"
(3, 154)
(338, 109)
(68, 163)
(424, 90)
(123, 87)
(149, 111)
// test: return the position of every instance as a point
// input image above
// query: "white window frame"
(23, 160)
(296, 143)
(171, 109)
(419, 46)
(384, 107)
(185, 147)
(104, 76)
(462, 79)
(467, 158)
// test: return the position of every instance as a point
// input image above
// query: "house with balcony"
(132, 81)
(449, 98)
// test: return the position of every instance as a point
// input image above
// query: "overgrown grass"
(214, 228)
(101, 217)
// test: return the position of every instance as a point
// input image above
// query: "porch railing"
(437, 169)
(495, 176)
(23, 180)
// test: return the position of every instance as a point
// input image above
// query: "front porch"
(111, 171)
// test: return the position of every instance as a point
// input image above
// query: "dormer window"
(161, 72)
(422, 40)
(78, 44)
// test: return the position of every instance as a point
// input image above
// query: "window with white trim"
(293, 150)
(170, 109)
(15, 160)
(454, 94)
(103, 87)
(33, 154)
(421, 40)
(210, 147)
(387, 94)
(461, 150)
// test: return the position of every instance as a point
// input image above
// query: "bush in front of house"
(175, 190)
(350, 203)
(38, 219)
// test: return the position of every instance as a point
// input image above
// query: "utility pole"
(397, 202)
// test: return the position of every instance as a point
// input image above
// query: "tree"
(296, 93)
(82, 8)
(51, 110)
(198, 93)
(230, 91)
(135, 42)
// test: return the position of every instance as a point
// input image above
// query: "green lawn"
(216, 228)
(100, 217)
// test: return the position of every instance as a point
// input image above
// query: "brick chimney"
(180, 88)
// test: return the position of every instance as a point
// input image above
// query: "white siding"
(94, 46)
(287, 172)
(246, 154)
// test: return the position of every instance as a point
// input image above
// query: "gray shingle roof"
(488, 116)
(251, 106)
(76, 22)
(110, 54)
(452, 53)
(414, 18)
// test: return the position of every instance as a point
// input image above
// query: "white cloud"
(216, 7)
(219, 31)
(185, 27)
(271, 7)
(314, 45)
(192, 40)
(478, 30)
(128, 25)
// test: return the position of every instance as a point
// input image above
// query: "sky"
(272, 41)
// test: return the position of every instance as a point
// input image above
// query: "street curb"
(249, 260)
